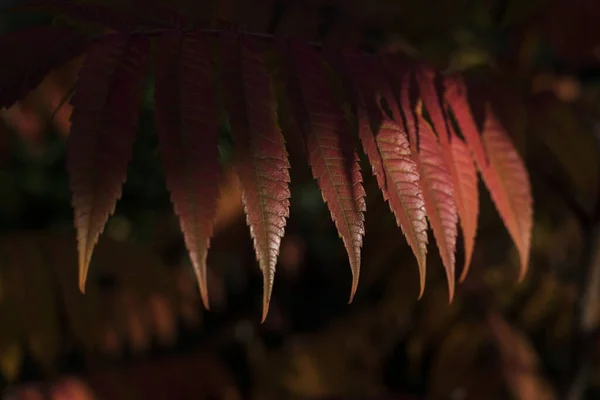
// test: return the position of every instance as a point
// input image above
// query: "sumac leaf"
(466, 195)
(332, 155)
(457, 158)
(508, 182)
(386, 144)
(104, 123)
(436, 182)
(262, 161)
(47, 48)
(186, 122)
(438, 193)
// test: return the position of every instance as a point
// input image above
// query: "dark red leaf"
(186, 122)
(262, 161)
(32, 54)
(332, 154)
(104, 123)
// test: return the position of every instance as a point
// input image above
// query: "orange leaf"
(436, 181)
(104, 123)
(262, 161)
(186, 121)
(332, 155)
(508, 182)
(386, 144)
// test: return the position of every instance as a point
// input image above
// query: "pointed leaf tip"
(200, 272)
(268, 280)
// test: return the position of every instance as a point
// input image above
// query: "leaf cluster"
(416, 126)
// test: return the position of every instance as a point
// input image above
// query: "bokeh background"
(140, 331)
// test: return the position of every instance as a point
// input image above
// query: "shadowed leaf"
(104, 123)
(186, 121)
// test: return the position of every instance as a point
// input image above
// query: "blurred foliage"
(140, 324)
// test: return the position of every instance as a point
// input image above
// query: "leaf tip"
(465, 270)
(355, 267)
(85, 256)
(268, 279)
(451, 286)
(421, 287)
(265, 310)
(200, 271)
(523, 269)
(354, 288)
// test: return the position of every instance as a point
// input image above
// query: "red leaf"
(104, 123)
(466, 195)
(332, 154)
(404, 191)
(436, 181)
(262, 161)
(508, 182)
(455, 96)
(457, 158)
(186, 121)
(390, 156)
(48, 47)
(438, 193)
